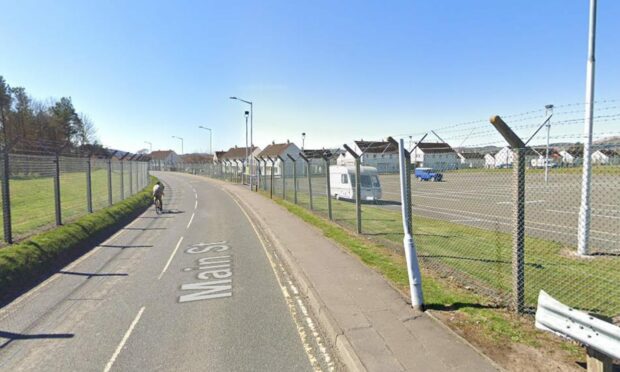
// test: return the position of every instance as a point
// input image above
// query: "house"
(489, 161)
(237, 157)
(505, 156)
(571, 156)
(438, 156)
(605, 157)
(471, 159)
(164, 160)
(275, 151)
(382, 155)
(316, 160)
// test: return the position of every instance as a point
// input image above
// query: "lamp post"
(251, 130)
(247, 161)
(210, 138)
(303, 140)
(548, 110)
(150, 146)
(179, 138)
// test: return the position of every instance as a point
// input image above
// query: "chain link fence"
(44, 191)
(497, 219)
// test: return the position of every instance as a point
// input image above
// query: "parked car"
(427, 174)
(540, 163)
(342, 183)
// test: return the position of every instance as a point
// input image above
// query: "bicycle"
(159, 208)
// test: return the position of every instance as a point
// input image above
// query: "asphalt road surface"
(191, 289)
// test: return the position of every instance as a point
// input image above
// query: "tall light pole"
(150, 146)
(247, 161)
(210, 138)
(179, 138)
(303, 140)
(583, 233)
(548, 110)
(251, 132)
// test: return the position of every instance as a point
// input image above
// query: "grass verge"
(24, 263)
(499, 333)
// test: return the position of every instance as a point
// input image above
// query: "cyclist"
(158, 192)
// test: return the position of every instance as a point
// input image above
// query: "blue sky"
(337, 70)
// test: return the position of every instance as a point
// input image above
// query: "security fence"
(40, 191)
(496, 217)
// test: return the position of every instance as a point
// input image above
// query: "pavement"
(192, 289)
(370, 323)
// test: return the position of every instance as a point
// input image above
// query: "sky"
(336, 70)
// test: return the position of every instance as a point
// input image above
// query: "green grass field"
(482, 258)
(32, 199)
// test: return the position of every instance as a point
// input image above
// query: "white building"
(471, 159)
(316, 160)
(571, 157)
(505, 156)
(236, 158)
(382, 155)
(164, 160)
(605, 157)
(277, 151)
(489, 161)
(439, 156)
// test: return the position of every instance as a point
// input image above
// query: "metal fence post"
(130, 177)
(407, 197)
(110, 201)
(518, 238)
(294, 176)
(283, 177)
(358, 191)
(258, 179)
(89, 187)
(122, 180)
(273, 164)
(329, 188)
(6, 199)
(309, 178)
(57, 191)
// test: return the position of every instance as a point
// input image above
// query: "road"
(191, 289)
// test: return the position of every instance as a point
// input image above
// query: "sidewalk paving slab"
(370, 323)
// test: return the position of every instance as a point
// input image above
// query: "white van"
(342, 182)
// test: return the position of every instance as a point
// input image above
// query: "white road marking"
(196, 204)
(526, 202)
(577, 213)
(170, 259)
(190, 220)
(123, 341)
(287, 297)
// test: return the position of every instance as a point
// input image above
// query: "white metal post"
(583, 234)
(413, 268)
(548, 110)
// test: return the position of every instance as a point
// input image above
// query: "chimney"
(273, 142)
(287, 142)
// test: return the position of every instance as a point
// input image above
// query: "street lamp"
(251, 133)
(150, 146)
(246, 113)
(303, 140)
(548, 111)
(210, 138)
(179, 138)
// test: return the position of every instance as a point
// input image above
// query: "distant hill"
(614, 141)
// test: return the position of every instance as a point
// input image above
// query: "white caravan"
(342, 182)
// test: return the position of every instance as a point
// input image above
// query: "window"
(366, 181)
(344, 179)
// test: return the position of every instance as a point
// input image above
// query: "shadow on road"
(144, 228)
(10, 336)
(172, 211)
(90, 275)
(460, 305)
(125, 246)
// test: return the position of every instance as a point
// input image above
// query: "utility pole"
(210, 138)
(583, 233)
(548, 110)
(251, 131)
(179, 138)
(303, 140)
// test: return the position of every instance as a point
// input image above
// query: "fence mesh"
(32, 189)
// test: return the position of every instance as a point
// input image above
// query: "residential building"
(471, 159)
(316, 160)
(277, 151)
(382, 155)
(571, 156)
(236, 158)
(505, 156)
(164, 160)
(439, 156)
(489, 161)
(605, 157)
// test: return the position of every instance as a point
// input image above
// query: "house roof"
(608, 152)
(472, 155)
(237, 153)
(376, 147)
(197, 158)
(161, 154)
(435, 148)
(274, 150)
(317, 154)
